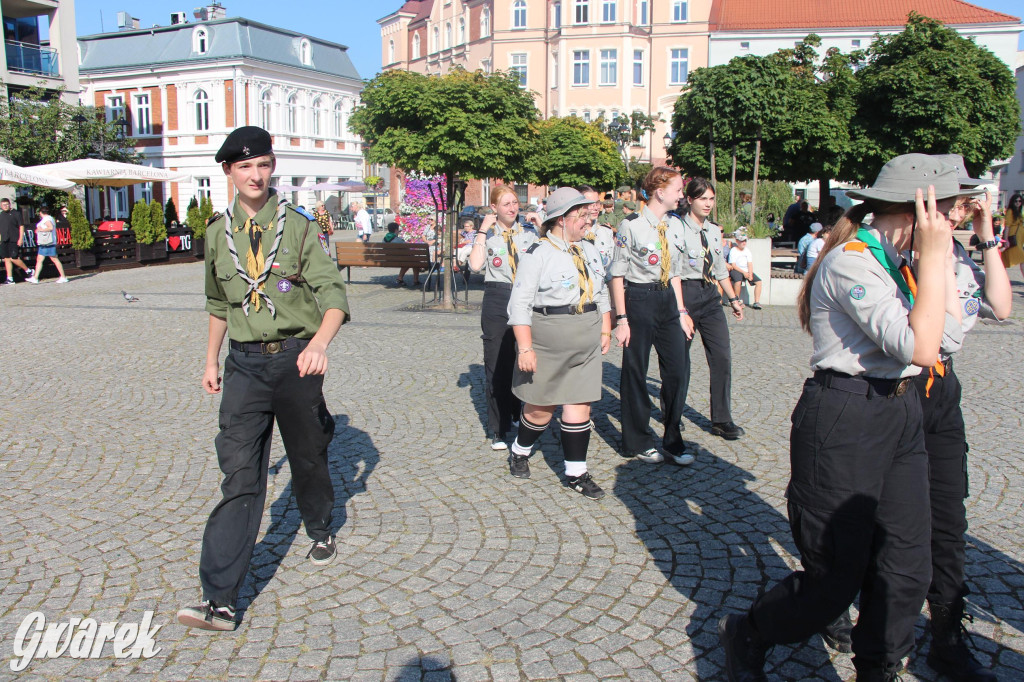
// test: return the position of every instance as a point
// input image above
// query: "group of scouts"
(878, 449)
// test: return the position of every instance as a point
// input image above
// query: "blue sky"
(349, 22)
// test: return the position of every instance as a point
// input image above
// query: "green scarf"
(864, 235)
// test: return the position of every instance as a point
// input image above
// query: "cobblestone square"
(447, 568)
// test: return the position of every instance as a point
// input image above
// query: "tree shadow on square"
(351, 460)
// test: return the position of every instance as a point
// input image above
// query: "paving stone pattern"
(447, 568)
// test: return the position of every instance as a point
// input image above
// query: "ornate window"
(265, 110)
(200, 40)
(416, 46)
(391, 52)
(462, 31)
(317, 127)
(447, 35)
(305, 52)
(485, 23)
(519, 14)
(338, 122)
(292, 114)
(202, 101)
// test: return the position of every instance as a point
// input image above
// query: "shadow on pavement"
(430, 668)
(351, 457)
(475, 379)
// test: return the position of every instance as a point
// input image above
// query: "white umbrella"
(343, 186)
(291, 188)
(16, 175)
(102, 173)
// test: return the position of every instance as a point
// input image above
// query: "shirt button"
(264, 335)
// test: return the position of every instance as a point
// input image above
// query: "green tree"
(571, 151)
(156, 221)
(81, 234)
(140, 223)
(170, 213)
(194, 220)
(928, 89)
(205, 209)
(625, 131)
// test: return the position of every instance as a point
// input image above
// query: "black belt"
(498, 285)
(701, 282)
(564, 309)
(648, 286)
(270, 347)
(869, 386)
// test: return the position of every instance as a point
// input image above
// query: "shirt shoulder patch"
(855, 246)
(632, 216)
(214, 218)
(533, 247)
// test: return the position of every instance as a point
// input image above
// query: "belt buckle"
(273, 347)
(901, 388)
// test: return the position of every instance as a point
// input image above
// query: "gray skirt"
(568, 349)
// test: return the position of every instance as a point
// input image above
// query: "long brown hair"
(695, 189)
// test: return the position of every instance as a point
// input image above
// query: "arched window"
(437, 40)
(317, 127)
(292, 114)
(391, 52)
(485, 23)
(447, 35)
(265, 110)
(416, 46)
(200, 40)
(462, 31)
(339, 120)
(519, 14)
(305, 52)
(202, 110)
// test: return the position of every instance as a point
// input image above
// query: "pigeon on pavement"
(128, 297)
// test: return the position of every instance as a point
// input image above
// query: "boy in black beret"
(275, 293)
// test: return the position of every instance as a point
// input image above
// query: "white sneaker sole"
(684, 460)
(191, 619)
(499, 446)
(656, 458)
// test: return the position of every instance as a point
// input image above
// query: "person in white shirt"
(741, 268)
(364, 226)
(816, 246)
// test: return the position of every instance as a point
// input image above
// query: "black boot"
(744, 649)
(838, 633)
(873, 671)
(949, 653)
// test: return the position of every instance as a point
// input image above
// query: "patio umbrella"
(16, 175)
(290, 188)
(102, 173)
(343, 186)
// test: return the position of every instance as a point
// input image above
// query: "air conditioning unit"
(200, 13)
(178, 18)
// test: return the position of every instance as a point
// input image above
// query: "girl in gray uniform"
(497, 248)
(858, 492)
(561, 318)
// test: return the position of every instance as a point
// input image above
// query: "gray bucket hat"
(564, 199)
(957, 161)
(901, 177)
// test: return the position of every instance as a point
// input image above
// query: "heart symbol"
(174, 242)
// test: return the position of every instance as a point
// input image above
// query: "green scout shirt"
(299, 306)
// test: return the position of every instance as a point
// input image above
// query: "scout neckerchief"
(580, 261)
(257, 266)
(886, 261)
(938, 367)
(513, 250)
(708, 259)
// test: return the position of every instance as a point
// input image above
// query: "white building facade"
(1011, 176)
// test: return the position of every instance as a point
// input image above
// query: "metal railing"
(29, 58)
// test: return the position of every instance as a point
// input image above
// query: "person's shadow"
(475, 380)
(351, 458)
(716, 542)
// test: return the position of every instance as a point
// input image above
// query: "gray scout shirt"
(637, 255)
(497, 266)
(548, 276)
(860, 319)
(691, 251)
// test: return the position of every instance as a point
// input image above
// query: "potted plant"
(147, 248)
(82, 239)
(196, 223)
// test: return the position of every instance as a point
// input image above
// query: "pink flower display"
(418, 203)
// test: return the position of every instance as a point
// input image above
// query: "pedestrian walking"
(12, 236)
(561, 318)
(703, 270)
(1014, 231)
(649, 312)
(46, 240)
(361, 218)
(278, 297)
(497, 249)
(858, 490)
(326, 225)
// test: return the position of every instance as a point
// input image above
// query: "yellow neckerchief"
(510, 244)
(580, 261)
(255, 261)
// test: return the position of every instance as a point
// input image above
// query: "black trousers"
(946, 443)
(858, 509)
(258, 388)
(705, 306)
(499, 361)
(653, 321)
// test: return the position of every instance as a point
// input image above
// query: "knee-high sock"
(526, 436)
(575, 441)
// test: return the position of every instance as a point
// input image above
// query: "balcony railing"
(29, 58)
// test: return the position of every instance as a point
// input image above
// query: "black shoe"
(838, 633)
(744, 650)
(519, 465)
(755, 305)
(322, 552)
(727, 430)
(585, 485)
(949, 653)
(208, 616)
(869, 671)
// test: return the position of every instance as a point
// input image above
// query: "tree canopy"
(571, 152)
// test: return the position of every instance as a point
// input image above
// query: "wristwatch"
(990, 244)
(620, 317)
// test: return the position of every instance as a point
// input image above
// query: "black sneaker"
(727, 430)
(208, 616)
(498, 442)
(838, 634)
(755, 305)
(744, 651)
(323, 551)
(519, 465)
(585, 485)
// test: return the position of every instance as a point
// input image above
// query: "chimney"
(216, 11)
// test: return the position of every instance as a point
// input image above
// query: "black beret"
(243, 143)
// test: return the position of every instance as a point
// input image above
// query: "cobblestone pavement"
(447, 568)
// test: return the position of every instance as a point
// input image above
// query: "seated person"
(802, 246)
(465, 243)
(741, 268)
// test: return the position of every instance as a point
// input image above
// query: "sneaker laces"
(323, 544)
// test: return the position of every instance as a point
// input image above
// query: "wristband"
(734, 299)
(620, 317)
(525, 350)
(684, 311)
(985, 246)
(608, 334)
(622, 322)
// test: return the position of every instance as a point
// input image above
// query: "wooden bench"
(381, 255)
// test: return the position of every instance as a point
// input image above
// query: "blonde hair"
(499, 190)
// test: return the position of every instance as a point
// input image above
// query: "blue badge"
(857, 292)
(693, 263)
(284, 286)
(972, 306)
(620, 241)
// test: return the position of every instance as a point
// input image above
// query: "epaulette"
(855, 246)
(533, 247)
(632, 216)
(214, 218)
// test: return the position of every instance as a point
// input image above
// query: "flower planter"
(85, 259)
(151, 252)
(198, 246)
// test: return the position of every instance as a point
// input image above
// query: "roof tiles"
(734, 15)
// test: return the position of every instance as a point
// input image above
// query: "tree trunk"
(732, 189)
(446, 240)
(824, 198)
(753, 191)
(714, 175)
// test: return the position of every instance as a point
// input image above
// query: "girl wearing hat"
(561, 317)
(497, 249)
(858, 491)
